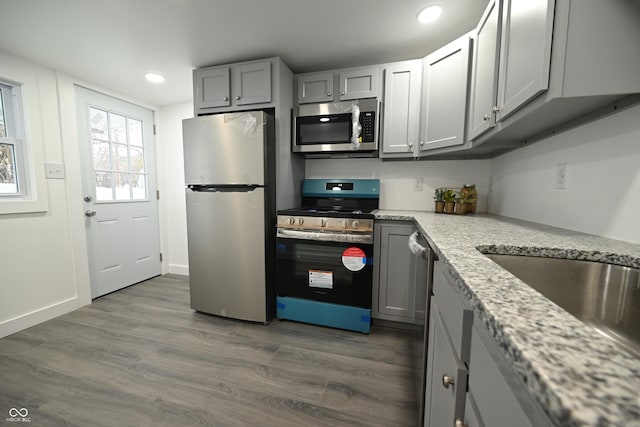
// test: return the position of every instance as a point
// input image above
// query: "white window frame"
(25, 117)
(14, 128)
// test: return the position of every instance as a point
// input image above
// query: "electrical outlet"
(561, 176)
(417, 183)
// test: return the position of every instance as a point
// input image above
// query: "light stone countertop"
(579, 377)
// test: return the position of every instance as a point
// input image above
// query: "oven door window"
(329, 129)
(339, 273)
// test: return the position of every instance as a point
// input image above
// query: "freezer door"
(224, 148)
(226, 239)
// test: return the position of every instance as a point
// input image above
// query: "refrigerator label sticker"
(321, 279)
(354, 259)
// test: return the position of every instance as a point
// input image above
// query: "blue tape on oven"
(281, 305)
(365, 319)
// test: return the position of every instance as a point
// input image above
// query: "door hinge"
(154, 128)
(157, 194)
(160, 256)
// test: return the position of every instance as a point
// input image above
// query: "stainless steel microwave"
(328, 128)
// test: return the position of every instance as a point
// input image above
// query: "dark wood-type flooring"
(142, 357)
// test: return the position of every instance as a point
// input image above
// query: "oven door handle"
(363, 238)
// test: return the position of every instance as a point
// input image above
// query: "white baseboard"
(27, 320)
(182, 270)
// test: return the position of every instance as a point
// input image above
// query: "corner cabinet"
(399, 284)
(469, 382)
(444, 96)
(402, 87)
(234, 85)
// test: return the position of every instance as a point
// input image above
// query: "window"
(12, 177)
(118, 156)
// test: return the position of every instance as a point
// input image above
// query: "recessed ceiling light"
(154, 78)
(429, 14)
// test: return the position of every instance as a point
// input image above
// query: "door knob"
(89, 213)
(447, 381)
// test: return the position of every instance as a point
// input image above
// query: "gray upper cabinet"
(358, 83)
(511, 60)
(524, 66)
(316, 87)
(219, 88)
(400, 135)
(444, 96)
(399, 284)
(252, 83)
(484, 70)
(211, 88)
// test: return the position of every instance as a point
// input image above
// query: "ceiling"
(113, 43)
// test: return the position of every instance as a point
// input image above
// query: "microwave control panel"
(367, 121)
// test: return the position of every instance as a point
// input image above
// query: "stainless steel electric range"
(325, 254)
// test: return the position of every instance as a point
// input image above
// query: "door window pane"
(120, 158)
(135, 132)
(118, 128)
(3, 122)
(8, 181)
(104, 190)
(99, 124)
(101, 156)
(137, 159)
(139, 186)
(121, 185)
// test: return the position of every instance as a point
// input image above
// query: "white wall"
(44, 269)
(396, 178)
(603, 179)
(173, 223)
(39, 274)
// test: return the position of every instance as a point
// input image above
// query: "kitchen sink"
(605, 296)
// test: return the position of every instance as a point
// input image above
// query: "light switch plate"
(417, 183)
(54, 170)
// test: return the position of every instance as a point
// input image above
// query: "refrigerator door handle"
(223, 188)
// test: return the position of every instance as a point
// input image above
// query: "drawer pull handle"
(459, 423)
(447, 381)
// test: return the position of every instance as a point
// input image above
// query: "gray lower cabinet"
(469, 382)
(399, 284)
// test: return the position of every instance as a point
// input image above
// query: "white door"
(119, 186)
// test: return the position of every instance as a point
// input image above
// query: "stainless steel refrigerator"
(229, 162)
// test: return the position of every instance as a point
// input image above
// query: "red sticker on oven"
(354, 259)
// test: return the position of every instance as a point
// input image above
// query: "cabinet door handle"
(459, 423)
(421, 143)
(237, 98)
(342, 93)
(328, 93)
(447, 381)
(410, 144)
(495, 109)
(226, 98)
(486, 118)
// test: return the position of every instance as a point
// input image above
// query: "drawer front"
(457, 315)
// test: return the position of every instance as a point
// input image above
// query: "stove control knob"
(300, 221)
(323, 222)
(355, 224)
(292, 220)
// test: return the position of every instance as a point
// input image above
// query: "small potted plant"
(449, 197)
(461, 203)
(471, 196)
(439, 198)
